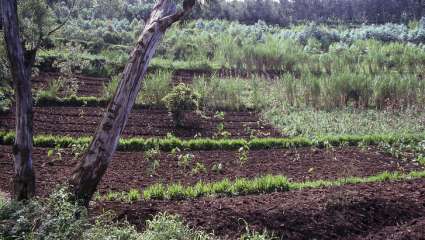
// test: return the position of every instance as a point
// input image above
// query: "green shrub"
(182, 98)
(54, 218)
(165, 227)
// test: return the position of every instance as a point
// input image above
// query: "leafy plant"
(185, 160)
(198, 168)
(152, 158)
(181, 99)
(243, 154)
(217, 167)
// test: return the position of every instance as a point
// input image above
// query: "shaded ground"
(78, 121)
(392, 210)
(132, 170)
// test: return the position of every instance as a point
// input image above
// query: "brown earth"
(390, 210)
(131, 170)
(78, 121)
(93, 86)
(87, 86)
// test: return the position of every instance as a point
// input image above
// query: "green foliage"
(52, 218)
(222, 93)
(165, 226)
(110, 88)
(156, 87)
(310, 122)
(263, 184)
(36, 20)
(243, 154)
(167, 144)
(182, 98)
(55, 218)
(198, 168)
(152, 158)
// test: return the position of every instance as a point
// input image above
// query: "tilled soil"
(93, 86)
(87, 86)
(390, 210)
(132, 170)
(78, 121)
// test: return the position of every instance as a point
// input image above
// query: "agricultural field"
(240, 131)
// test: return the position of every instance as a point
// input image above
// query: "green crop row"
(170, 143)
(243, 186)
(80, 101)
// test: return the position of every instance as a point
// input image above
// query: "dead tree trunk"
(20, 63)
(93, 165)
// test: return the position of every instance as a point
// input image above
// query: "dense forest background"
(280, 12)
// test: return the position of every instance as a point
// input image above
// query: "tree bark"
(20, 63)
(93, 165)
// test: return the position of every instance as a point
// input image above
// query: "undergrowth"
(55, 218)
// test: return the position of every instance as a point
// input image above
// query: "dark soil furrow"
(142, 122)
(133, 170)
(347, 212)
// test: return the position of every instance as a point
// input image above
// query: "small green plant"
(254, 235)
(175, 152)
(199, 168)
(182, 98)
(152, 157)
(164, 227)
(77, 149)
(219, 115)
(221, 132)
(134, 195)
(185, 160)
(217, 168)
(55, 154)
(243, 154)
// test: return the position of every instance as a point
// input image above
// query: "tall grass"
(155, 87)
(222, 93)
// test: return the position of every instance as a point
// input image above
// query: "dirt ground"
(391, 210)
(79, 121)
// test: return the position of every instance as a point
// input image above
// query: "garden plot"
(87, 86)
(82, 121)
(390, 210)
(141, 170)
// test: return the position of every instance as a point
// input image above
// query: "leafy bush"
(54, 218)
(165, 227)
(182, 98)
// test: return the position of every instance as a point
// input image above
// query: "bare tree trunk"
(92, 167)
(20, 63)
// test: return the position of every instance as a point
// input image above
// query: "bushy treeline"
(282, 12)
(285, 12)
